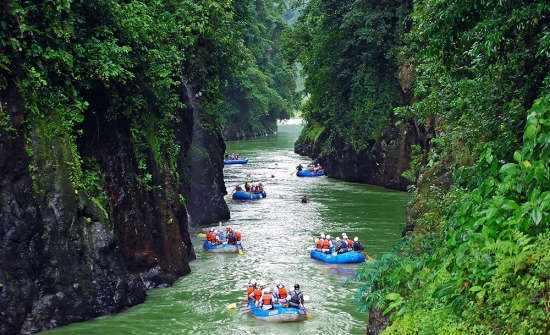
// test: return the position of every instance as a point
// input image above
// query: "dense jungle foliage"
(349, 53)
(476, 259)
(265, 89)
(127, 61)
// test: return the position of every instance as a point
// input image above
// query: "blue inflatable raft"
(241, 195)
(345, 258)
(229, 248)
(307, 173)
(278, 313)
(236, 161)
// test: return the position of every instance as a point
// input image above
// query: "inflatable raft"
(345, 258)
(229, 248)
(236, 161)
(278, 313)
(241, 195)
(307, 173)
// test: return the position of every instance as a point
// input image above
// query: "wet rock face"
(380, 164)
(204, 188)
(58, 263)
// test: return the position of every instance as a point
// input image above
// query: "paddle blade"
(308, 315)
(334, 254)
(241, 252)
(232, 305)
(202, 235)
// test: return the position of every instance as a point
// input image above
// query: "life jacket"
(257, 294)
(267, 299)
(210, 236)
(312, 169)
(350, 243)
(238, 234)
(282, 292)
(249, 290)
(326, 244)
(320, 244)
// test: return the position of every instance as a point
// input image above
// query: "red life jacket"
(320, 244)
(350, 244)
(257, 294)
(238, 234)
(267, 298)
(282, 292)
(326, 244)
(249, 290)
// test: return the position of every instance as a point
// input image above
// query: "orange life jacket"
(267, 298)
(350, 244)
(238, 234)
(312, 169)
(257, 294)
(282, 292)
(208, 235)
(249, 290)
(326, 244)
(320, 244)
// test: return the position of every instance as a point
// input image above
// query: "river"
(277, 233)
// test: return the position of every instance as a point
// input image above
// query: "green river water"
(277, 234)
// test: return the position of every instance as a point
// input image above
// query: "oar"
(245, 310)
(241, 249)
(235, 304)
(369, 258)
(201, 235)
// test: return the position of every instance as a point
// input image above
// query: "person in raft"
(281, 292)
(296, 297)
(252, 285)
(319, 242)
(299, 167)
(357, 245)
(266, 300)
(327, 245)
(304, 199)
(247, 187)
(341, 246)
(257, 293)
(238, 188)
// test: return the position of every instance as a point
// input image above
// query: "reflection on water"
(277, 234)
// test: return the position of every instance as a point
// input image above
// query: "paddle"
(235, 304)
(241, 250)
(201, 235)
(369, 258)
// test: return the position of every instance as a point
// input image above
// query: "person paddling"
(296, 297)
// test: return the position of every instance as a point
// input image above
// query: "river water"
(277, 233)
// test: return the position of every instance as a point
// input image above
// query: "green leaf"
(393, 296)
(509, 168)
(510, 205)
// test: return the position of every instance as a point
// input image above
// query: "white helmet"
(322, 235)
(316, 240)
(356, 238)
(263, 283)
(328, 237)
(212, 229)
(337, 238)
(277, 282)
(344, 235)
